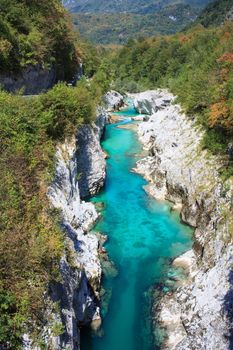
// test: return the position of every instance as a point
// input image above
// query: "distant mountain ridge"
(118, 28)
(117, 21)
(133, 6)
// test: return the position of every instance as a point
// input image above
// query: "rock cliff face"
(113, 100)
(148, 102)
(199, 314)
(33, 79)
(79, 172)
(77, 293)
(91, 158)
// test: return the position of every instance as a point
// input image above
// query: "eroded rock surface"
(90, 157)
(113, 100)
(78, 291)
(199, 315)
(149, 102)
(33, 79)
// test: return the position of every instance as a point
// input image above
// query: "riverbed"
(144, 235)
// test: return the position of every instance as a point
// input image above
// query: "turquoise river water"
(143, 236)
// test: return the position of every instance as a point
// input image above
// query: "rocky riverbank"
(79, 172)
(80, 266)
(199, 314)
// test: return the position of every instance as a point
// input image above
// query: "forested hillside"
(135, 6)
(197, 65)
(216, 13)
(107, 22)
(36, 32)
(31, 240)
(107, 28)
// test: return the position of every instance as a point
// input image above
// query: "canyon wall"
(73, 302)
(80, 267)
(33, 80)
(199, 314)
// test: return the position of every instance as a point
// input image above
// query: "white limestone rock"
(149, 102)
(170, 318)
(91, 164)
(187, 261)
(78, 291)
(179, 170)
(113, 100)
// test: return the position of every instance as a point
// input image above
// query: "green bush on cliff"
(10, 320)
(31, 242)
(64, 108)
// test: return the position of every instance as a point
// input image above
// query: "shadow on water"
(86, 337)
(228, 308)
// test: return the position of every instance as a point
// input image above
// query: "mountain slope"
(197, 65)
(118, 28)
(31, 240)
(134, 6)
(216, 13)
(117, 21)
(34, 33)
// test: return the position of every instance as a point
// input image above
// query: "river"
(143, 236)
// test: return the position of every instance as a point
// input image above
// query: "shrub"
(31, 241)
(37, 32)
(215, 141)
(197, 66)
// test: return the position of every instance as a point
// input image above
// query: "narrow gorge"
(116, 165)
(167, 303)
(142, 237)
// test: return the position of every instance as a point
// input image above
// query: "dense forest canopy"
(108, 28)
(216, 13)
(37, 32)
(114, 21)
(197, 65)
(133, 6)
